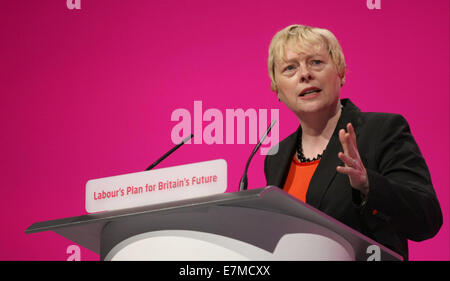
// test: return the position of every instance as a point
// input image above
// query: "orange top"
(299, 176)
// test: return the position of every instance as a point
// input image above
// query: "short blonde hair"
(305, 35)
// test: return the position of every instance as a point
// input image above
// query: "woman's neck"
(317, 129)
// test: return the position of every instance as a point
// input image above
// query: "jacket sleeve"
(401, 193)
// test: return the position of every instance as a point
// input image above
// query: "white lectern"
(258, 224)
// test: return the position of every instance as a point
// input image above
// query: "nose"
(305, 74)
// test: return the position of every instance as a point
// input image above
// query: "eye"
(289, 68)
(316, 62)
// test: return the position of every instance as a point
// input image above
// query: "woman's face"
(307, 80)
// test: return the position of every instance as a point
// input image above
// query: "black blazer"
(401, 203)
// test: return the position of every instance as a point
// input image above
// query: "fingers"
(352, 134)
(349, 161)
(350, 157)
(344, 140)
(351, 130)
(349, 171)
(354, 167)
(348, 141)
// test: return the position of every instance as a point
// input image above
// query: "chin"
(314, 107)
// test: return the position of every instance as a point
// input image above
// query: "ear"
(342, 76)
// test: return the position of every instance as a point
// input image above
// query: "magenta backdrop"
(89, 93)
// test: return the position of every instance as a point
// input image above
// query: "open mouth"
(309, 92)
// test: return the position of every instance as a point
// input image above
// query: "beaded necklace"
(302, 157)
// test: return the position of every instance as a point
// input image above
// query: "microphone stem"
(169, 152)
(244, 181)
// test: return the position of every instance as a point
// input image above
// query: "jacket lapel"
(283, 159)
(326, 170)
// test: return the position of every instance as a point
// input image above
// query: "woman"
(364, 169)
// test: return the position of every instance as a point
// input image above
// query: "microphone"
(244, 182)
(169, 152)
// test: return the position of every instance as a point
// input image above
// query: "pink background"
(88, 93)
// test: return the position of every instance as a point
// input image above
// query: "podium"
(257, 224)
